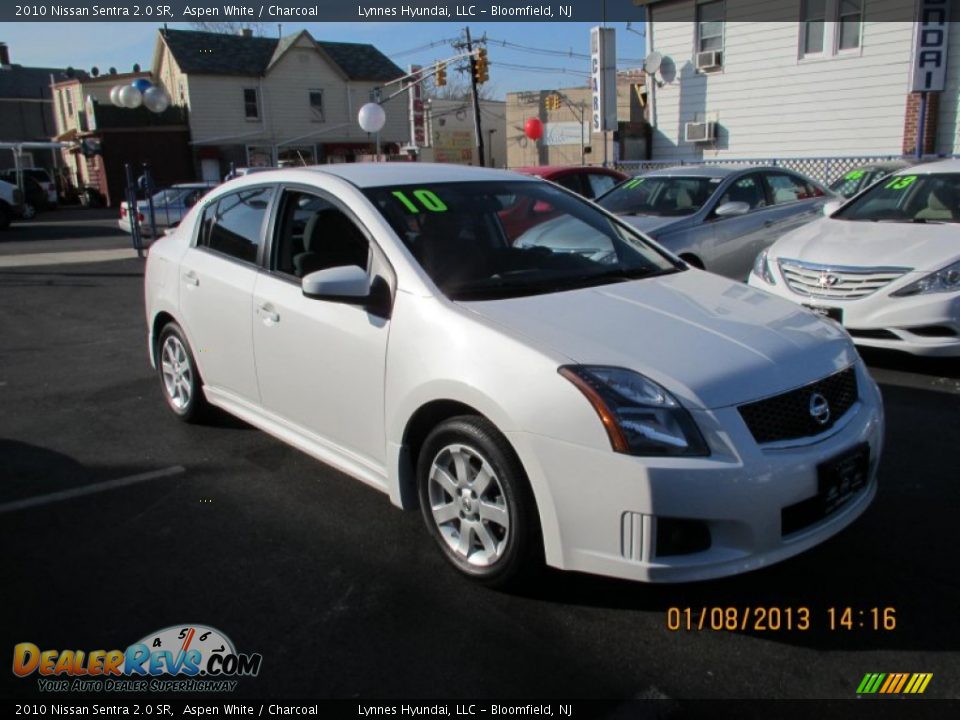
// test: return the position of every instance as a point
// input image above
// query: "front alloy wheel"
(468, 505)
(476, 501)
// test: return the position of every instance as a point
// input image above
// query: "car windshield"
(908, 198)
(663, 196)
(849, 184)
(486, 240)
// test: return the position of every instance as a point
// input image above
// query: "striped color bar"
(894, 683)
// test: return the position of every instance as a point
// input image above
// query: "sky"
(542, 46)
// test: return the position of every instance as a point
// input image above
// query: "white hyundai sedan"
(886, 265)
(617, 413)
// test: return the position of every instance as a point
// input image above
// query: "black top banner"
(392, 11)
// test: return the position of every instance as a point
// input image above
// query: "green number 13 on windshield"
(899, 183)
(428, 199)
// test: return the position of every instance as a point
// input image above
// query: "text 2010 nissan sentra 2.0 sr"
(602, 407)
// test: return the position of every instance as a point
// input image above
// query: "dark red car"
(586, 180)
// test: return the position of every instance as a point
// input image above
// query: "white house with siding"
(795, 78)
(263, 101)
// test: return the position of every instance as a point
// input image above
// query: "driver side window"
(314, 234)
(748, 190)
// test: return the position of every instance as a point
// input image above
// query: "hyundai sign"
(929, 60)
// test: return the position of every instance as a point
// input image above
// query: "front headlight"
(640, 417)
(945, 280)
(761, 268)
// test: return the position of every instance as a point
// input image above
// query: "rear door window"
(234, 224)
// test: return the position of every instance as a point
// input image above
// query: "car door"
(796, 201)
(217, 277)
(320, 364)
(738, 238)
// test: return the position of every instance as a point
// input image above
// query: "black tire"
(188, 402)
(518, 555)
(4, 216)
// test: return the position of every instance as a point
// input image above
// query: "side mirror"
(829, 208)
(729, 209)
(349, 284)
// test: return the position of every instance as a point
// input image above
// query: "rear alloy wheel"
(179, 378)
(476, 502)
(29, 211)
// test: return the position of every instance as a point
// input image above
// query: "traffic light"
(481, 67)
(441, 76)
(553, 102)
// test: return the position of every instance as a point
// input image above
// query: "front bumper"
(604, 508)
(927, 325)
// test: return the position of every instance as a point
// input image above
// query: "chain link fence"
(823, 169)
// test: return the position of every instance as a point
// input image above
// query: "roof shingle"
(207, 53)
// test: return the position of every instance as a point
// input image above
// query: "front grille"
(933, 331)
(824, 281)
(789, 417)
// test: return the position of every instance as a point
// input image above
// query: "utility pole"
(476, 100)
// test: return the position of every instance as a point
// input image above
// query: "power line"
(554, 53)
(421, 48)
(540, 69)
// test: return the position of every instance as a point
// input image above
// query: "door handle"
(190, 278)
(266, 311)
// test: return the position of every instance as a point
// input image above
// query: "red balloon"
(533, 128)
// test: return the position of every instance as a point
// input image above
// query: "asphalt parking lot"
(344, 595)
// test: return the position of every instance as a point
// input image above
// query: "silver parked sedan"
(717, 218)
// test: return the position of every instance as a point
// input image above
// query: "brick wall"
(912, 121)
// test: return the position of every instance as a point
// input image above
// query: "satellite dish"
(652, 63)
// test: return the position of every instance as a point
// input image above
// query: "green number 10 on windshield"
(428, 199)
(900, 183)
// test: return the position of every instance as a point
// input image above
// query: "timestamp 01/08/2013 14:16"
(780, 619)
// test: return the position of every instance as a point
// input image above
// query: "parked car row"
(885, 265)
(38, 189)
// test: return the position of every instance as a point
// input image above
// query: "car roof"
(705, 170)
(940, 166)
(373, 174)
(545, 170)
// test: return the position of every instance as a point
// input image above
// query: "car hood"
(654, 225)
(923, 247)
(710, 341)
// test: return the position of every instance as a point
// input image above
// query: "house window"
(316, 105)
(710, 26)
(63, 112)
(69, 94)
(813, 17)
(251, 104)
(849, 15)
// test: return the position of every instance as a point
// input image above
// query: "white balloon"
(130, 97)
(155, 99)
(372, 117)
(115, 95)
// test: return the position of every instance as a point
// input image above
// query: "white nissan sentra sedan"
(617, 413)
(886, 264)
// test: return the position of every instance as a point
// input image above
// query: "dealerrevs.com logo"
(180, 658)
